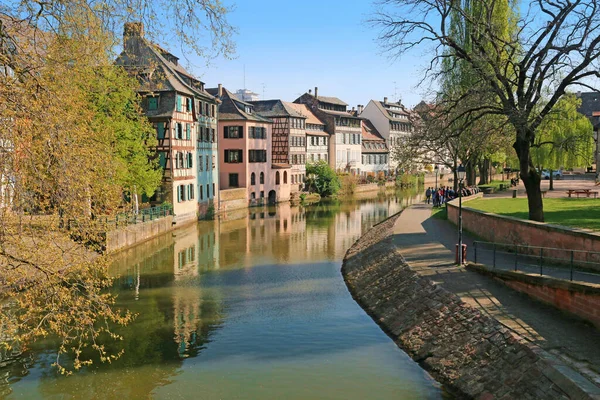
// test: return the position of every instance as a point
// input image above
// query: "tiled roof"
(331, 100)
(382, 107)
(275, 108)
(369, 132)
(339, 113)
(229, 109)
(305, 111)
(372, 141)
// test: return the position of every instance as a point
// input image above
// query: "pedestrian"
(428, 194)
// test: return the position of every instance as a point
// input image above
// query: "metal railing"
(127, 218)
(561, 263)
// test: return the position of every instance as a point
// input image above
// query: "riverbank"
(467, 350)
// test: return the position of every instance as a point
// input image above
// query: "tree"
(322, 179)
(71, 139)
(553, 47)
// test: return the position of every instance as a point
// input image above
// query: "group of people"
(445, 193)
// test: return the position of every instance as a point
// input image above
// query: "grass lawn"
(495, 185)
(577, 213)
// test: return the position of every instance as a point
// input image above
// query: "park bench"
(586, 192)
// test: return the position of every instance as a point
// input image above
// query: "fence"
(128, 218)
(559, 263)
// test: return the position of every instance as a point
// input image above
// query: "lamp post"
(461, 173)
(436, 169)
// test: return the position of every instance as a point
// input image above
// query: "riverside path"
(428, 245)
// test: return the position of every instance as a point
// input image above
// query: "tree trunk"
(551, 180)
(483, 167)
(531, 179)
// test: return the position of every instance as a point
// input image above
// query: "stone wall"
(581, 299)
(134, 234)
(502, 229)
(233, 199)
(473, 355)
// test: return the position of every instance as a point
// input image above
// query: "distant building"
(391, 120)
(247, 95)
(246, 152)
(317, 139)
(590, 107)
(289, 137)
(184, 116)
(375, 153)
(343, 128)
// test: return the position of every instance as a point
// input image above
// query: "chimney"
(353, 109)
(385, 99)
(309, 91)
(360, 108)
(132, 32)
(316, 92)
(220, 91)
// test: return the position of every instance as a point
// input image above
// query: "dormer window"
(248, 110)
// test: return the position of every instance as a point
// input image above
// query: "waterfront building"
(392, 121)
(288, 139)
(245, 147)
(184, 116)
(375, 153)
(317, 139)
(343, 128)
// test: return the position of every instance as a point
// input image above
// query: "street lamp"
(461, 173)
(436, 169)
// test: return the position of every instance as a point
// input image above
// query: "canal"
(252, 306)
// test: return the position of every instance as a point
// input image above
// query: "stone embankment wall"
(501, 229)
(233, 199)
(132, 235)
(473, 355)
(581, 299)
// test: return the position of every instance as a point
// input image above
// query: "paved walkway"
(428, 243)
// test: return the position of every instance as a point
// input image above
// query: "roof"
(156, 68)
(339, 113)
(331, 100)
(230, 108)
(372, 146)
(590, 102)
(275, 108)
(383, 107)
(369, 132)
(311, 118)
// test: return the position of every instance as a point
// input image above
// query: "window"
(257, 156)
(200, 163)
(262, 178)
(181, 193)
(253, 179)
(179, 106)
(160, 130)
(162, 159)
(188, 130)
(212, 135)
(189, 160)
(152, 103)
(207, 191)
(188, 103)
(214, 110)
(191, 191)
(179, 127)
(277, 178)
(208, 163)
(284, 176)
(233, 132)
(213, 189)
(200, 107)
(257, 132)
(233, 156)
(201, 192)
(233, 180)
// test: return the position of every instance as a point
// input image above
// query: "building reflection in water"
(161, 282)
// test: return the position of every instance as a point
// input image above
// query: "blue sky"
(293, 46)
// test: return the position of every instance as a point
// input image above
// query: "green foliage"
(322, 179)
(565, 137)
(349, 183)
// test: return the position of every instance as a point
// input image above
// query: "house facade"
(375, 153)
(343, 128)
(288, 138)
(392, 122)
(317, 139)
(244, 139)
(180, 109)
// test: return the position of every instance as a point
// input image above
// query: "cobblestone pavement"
(428, 244)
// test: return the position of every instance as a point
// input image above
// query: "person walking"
(428, 195)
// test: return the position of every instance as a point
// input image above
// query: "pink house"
(245, 152)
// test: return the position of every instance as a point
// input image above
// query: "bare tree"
(554, 46)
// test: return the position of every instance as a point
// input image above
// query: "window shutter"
(178, 103)
(161, 130)
(241, 154)
(226, 132)
(179, 194)
(188, 129)
(189, 105)
(241, 132)
(162, 159)
(190, 160)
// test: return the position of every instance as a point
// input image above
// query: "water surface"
(249, 307)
